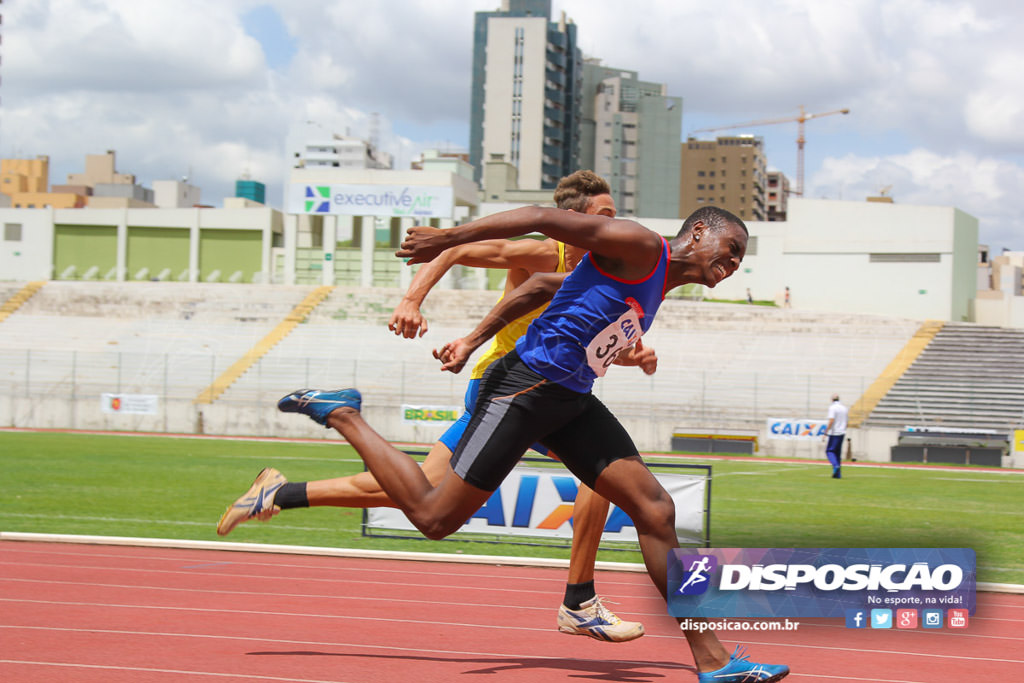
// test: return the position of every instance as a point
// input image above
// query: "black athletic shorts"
(517, 407)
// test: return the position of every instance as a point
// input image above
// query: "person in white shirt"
(836, 430)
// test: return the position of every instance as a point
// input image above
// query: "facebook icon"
(856, 618)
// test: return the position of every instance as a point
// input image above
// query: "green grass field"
(178, 487)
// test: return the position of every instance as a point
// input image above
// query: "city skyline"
(209, 90)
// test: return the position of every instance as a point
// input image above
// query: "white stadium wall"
(863, 257)
(26, 251)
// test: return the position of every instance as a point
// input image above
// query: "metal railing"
(64, 389)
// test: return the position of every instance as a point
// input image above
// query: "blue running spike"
(317, 405)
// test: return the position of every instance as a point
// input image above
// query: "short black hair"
(713, 217)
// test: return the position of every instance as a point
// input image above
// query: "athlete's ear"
(697, 230)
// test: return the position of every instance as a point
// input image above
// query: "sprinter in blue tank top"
(541, 391)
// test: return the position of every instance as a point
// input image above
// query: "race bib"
(609, 342)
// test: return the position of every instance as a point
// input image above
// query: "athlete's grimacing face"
(720, 252)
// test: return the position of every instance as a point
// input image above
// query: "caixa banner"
(817, 582)
(794, 428)
(538, 502)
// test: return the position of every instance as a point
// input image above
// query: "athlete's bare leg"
(363, 491)
(436, 511)
(630, 485)
(588, 514)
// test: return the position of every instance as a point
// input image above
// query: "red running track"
(88, 613)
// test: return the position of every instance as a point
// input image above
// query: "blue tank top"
(591, 319)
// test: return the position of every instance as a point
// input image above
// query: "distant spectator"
(750, 297)
(785, 301)
(835, 431)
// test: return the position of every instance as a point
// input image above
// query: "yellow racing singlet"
(506, 338)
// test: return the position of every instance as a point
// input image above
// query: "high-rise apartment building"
(253, 190)
(728, 172)
(777, 199)
(176, 194)
(25, 175)
(629, 134)
(24, 184)
(101, 169)
(100, 186)
(105, 187)
(311, 146)
(525, 100)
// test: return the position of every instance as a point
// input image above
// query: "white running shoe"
(597, 621)
(258, 502)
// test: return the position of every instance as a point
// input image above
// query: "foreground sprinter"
(542, 390)
(581, 611)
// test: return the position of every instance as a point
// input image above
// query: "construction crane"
(800, 139)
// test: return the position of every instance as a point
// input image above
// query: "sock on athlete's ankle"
(291, 495)
(578, 593)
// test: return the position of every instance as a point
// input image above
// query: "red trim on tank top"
(645, 278)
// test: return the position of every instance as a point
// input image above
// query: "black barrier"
(951, 447)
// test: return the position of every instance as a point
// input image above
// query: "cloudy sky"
(208, 89)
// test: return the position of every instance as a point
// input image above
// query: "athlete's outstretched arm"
(526, 254)
(536, 291)
(624, 241)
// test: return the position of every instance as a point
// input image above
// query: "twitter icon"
(881, 618)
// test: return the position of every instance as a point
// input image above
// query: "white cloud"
(933, 85)
(985, 187)
(994, 107)
(179, 86)
(410, 60)
(120, 45)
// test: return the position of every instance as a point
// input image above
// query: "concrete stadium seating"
(163, 338)
(969, 376)
(722, 366)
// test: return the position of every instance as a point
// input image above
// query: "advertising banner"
(440, 415)
(130, 404)
(371, 200)
(820, 582)
(537, 502)
(793, 428)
